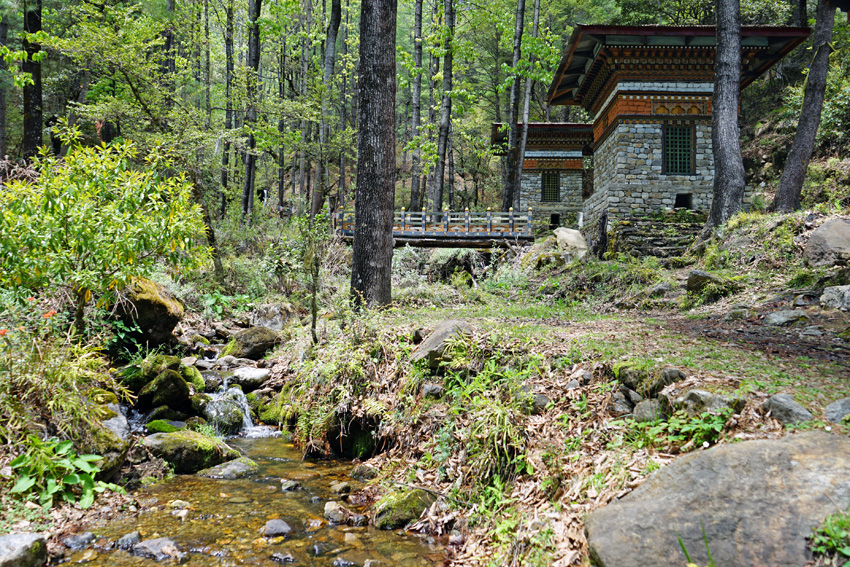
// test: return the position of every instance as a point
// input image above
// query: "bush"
(90, 223)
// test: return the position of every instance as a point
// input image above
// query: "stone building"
(554, 176)
(648, 90)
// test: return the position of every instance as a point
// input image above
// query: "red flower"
(30, 299)
(3, 332)
(49, 314)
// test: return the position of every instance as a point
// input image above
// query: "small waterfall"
(222, 409)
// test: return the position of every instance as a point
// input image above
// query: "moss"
(104, 442)
(190, 451)
(101, 396)
(272, 411)
(397, 509)
(145, 289)
(200, 339)
(193, 376)
(231, 348)
(165, 412)
(199, 402)
(160, 426)
(194, 423)
(168, 388)
(845, 334)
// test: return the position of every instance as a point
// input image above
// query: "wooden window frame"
(664, 140)
(543, 175)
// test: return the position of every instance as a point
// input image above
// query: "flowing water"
(225, 519)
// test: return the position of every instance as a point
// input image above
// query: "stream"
(223, 523)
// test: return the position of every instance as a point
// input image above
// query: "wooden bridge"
(450, 229)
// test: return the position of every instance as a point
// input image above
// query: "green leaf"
(63, 447)
(21, 460)
(71, 479)
(23, 484)
(87, 500)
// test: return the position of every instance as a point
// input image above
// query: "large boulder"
(434, 347)
(401, 508)
(757, 500)
(250, 378)
(274, 316)
(159, 549)
(829, 244)
(189, 451)
(544, 254)
(251, 343)
(571, 241)
(167, 389)
(23, 550)
(153, 309)
(103, 441)
(836, 297)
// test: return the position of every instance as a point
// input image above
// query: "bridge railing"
(449, 223)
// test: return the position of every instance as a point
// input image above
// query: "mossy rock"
(167, 389)
(166, 413)
(845, 334)
(251, 343)
(200, 339)
(137, 376)
(189, 451)
(193, 376)
(398, 509)
(199, 402)
(195, 422)
(237, 468)
(102, 397)
(112, 449)
(154, 310)
(162, 426)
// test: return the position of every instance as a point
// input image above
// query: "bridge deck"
(450, 229)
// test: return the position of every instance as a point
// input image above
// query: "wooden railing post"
(403, 219)
(466, 221)
(446, 220)
(511, 220)
(489, 221)
(530, 231)
(424, 221)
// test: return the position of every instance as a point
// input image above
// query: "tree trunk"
(451, 173)
(207, 66)
(33, 119)
(327, 81)
(343, 114)
(432, 116)
(305, 134)
(729, 181)
(254, 11)
(525, 108)
(228, 102)
(371, 269)
(4, 36)
(791, 183)
(169, 65)
(281, 128)
(416, 101)
(513, 110)
(446, 110)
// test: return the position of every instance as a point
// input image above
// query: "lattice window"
(679, 150)
(551, 184)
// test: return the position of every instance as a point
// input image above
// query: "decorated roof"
(563, 135)
(594, 55)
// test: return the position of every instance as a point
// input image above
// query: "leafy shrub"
(90, 223)
(51, 468)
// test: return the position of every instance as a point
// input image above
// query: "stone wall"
(627, 172)
(531, 192)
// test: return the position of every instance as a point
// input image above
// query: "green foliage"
(832, 538)
(680, 430)
(46, 374)
(50, 469)
(91, 223)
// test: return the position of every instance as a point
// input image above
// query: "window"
(551, 184)
(678, 144)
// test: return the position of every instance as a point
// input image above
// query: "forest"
(195, 366)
